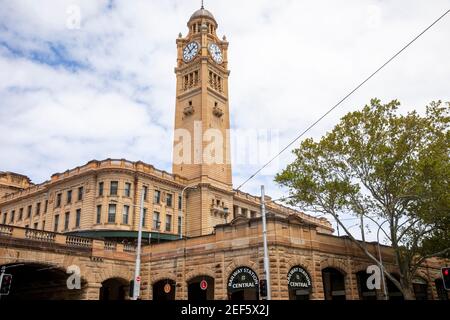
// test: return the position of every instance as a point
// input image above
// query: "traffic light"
(263, 288)
(446, 277)
(131, 288)
(5, 283)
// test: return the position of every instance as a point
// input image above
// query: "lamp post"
(381, 261)
(137, 267)
(182, 202)
(266, 250)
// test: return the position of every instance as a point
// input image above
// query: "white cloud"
(290, 61)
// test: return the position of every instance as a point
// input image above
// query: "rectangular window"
(99, 214)
(157, 198)
(126, 212)
(58, 200)
(55, 226)
(112, 213)
(100, 189)
(35, 225)
(145, 192)
(38, 208)
(168, 223)
(114, 188)
(78, 218)
(30, 208)
(46, 206)
(20, 213)
(180, 220)
(180, 203)
(4, 217)
(155, 225)
(43, 225)
(11, 219)
(66, 220)
(169, 200)
(80, 193)
(144, 218)
(69, 196)
(127, 191)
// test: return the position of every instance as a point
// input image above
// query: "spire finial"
(203, 7)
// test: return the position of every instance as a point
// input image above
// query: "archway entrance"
(299, 284)
(164, 290)
(393, 292)
(34, 281)
(364, 292)
(114, 289)
(201, 289)
(420, 287)
(333, 284)
(243, 284)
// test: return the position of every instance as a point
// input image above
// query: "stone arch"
(336, 264)
(163, 276)
(422, 275)
(300, 262)
(308, 267)
(198, 272)
(113, 273)
(42, 280)
(240, 262)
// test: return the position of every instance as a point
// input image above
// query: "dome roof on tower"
(202, 13)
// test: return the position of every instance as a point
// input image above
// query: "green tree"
(392, 169)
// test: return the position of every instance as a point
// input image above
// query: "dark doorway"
(33, 281)
(333, 284)
(440, 289)
(164, 290)
(114, 289)
(197, 291)
(420, 287)
(393, 292)
(364, 292)
(243, 284)
(299, 284)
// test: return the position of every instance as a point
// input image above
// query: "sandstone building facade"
(196, 228)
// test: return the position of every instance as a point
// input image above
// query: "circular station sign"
(298, 278)
(167, 288)
(242, 279)
(203, 285)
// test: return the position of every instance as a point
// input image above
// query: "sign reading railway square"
(243, 278)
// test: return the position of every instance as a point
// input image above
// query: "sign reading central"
(243, 278)
(298, 278)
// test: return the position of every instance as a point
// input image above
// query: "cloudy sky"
(107, 89)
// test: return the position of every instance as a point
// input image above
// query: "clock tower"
(201, 142)
(201, 150)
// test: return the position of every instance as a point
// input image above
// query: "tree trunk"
(407, 290)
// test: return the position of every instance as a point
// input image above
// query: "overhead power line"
(343, 99)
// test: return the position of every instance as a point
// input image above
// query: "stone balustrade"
(98, 248)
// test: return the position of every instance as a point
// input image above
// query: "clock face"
(190, 51)
(216, 53)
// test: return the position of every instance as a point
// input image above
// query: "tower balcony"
(218, 210)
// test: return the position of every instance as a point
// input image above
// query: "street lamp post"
(266, 250)
(137, 267)
(381, 262)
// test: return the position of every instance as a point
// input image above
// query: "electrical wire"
(342, 100)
